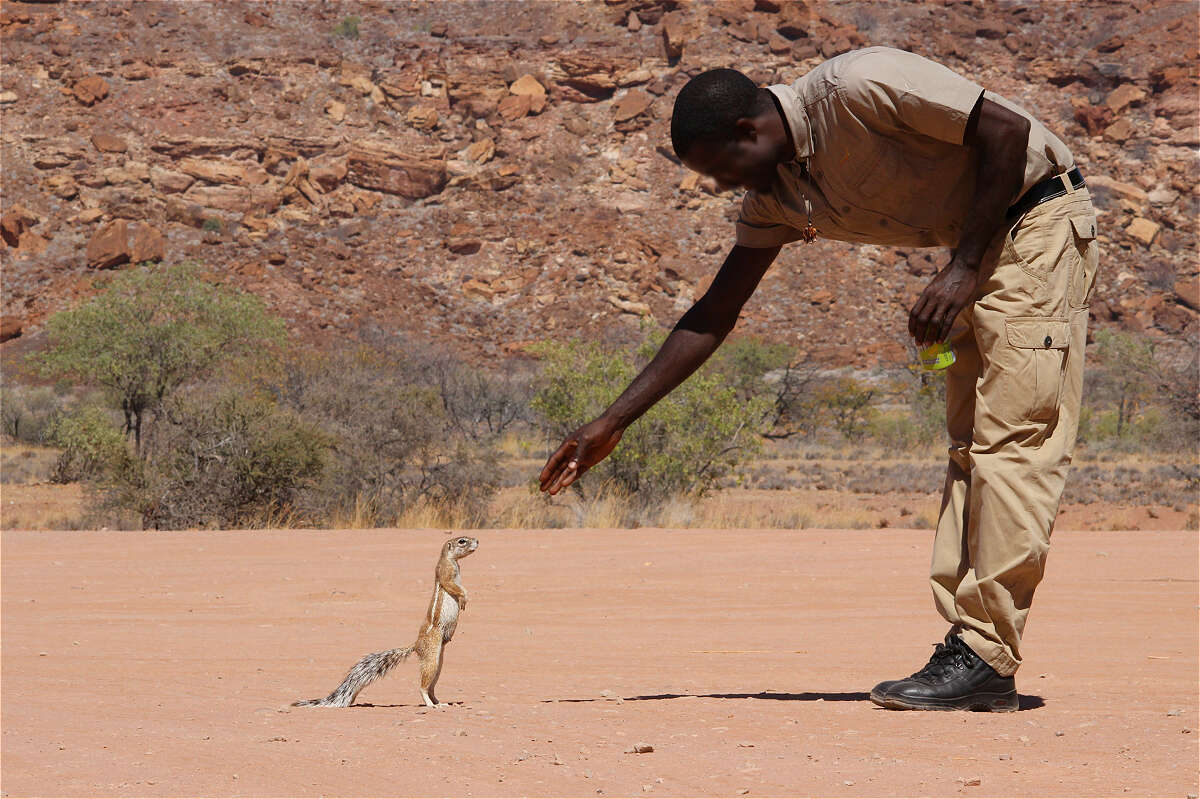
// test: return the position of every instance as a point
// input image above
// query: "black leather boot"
(954, 679)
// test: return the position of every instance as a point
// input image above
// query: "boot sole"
(994, 703)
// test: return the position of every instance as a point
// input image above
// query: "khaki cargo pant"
(1012, 410)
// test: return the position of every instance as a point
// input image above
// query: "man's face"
(747, 161)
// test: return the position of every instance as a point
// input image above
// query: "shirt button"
(1048, 341)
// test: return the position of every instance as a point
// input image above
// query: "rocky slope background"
(490, 174)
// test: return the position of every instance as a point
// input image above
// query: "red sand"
(143, 664)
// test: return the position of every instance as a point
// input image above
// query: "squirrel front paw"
(462, 603)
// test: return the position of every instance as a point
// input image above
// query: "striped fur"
(365, 672)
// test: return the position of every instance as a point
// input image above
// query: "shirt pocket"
(1040, 346)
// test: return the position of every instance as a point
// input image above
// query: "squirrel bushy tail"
(366, 671)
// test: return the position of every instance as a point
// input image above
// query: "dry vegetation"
(789, 487)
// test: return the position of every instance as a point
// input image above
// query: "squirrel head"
(460, 547)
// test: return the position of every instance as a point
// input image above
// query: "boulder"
(1187, 292)
(109, 246)
(422, 117)
(221, 171)
(108, 143)
(1123, 96)
(10, 328)
(146, 244)
(169, 182)
(413, 177)
(327, 172)
(481, 151)
(1143, 230)
(633, 103)
(239, 199)
(1119, 131)
(1125, 191)
(90, 90)
(515, 106)
(62, 186)
(14, 222)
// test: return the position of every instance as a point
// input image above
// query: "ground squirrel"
(449, 599)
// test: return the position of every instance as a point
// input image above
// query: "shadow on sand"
(1026, 702)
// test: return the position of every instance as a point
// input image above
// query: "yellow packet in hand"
(937, 356)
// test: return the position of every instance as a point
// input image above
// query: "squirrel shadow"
(1026, 702)
(417, 705)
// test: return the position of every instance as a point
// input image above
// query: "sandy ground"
(140, 664)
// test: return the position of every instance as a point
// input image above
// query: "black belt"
(1047, 189)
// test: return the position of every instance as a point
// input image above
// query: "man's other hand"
(942, 300)
(581, 450)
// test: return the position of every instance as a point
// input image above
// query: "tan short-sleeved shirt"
(879, 154)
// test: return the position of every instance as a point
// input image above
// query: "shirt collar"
(797, 119)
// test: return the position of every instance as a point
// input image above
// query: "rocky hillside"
(489, 174)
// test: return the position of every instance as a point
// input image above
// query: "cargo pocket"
(1083, 272)
(1041, 345)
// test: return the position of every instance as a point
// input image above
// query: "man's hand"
(581, 450)
(951, 290)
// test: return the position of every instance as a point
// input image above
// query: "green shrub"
(684, 445)
(92, 445)
(211, 225)
(347, 28)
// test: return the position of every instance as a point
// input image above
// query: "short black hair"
(709, 106)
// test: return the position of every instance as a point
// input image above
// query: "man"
(885, 147)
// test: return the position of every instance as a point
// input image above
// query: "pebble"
(745, 744)
(972, 781)
(1176, 712)
(1006, 757)
(743, 791)
(639, 749)
(1059, 734)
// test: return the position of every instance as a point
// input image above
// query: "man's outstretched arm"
(695, 337)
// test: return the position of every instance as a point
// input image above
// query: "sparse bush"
(26, 411)
(347, 28)
(682, 446)
(849, 404)
(211, 225)
(394, 442)
(222, 459)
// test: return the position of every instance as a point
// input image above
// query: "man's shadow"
(1026, 702)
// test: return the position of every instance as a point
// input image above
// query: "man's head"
(725, 127)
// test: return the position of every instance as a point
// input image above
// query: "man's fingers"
(556, 462)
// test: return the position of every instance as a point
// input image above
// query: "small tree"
(684, 445)
(149, 331)
(1128, 374)
(849, 402)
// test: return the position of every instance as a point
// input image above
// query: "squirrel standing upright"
(449, 599)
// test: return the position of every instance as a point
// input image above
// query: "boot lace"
(948, 657)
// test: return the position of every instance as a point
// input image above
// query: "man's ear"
(747, 128)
